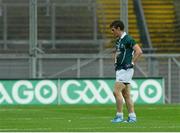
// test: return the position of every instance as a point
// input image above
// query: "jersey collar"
(124, 33)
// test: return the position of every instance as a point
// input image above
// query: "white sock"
(120, 114)
(132, 114)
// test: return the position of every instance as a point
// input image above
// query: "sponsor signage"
(28, 92)
(78, 91)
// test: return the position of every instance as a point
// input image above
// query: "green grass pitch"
(87, 118)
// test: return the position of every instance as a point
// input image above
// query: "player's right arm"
(137, 53)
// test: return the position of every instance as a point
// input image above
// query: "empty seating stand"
(109, 10)
(73, 31)
(161, 21)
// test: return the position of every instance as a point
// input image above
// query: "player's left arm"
(137, 53)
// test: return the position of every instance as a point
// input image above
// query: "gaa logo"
(86, 91)
(89, 91)
(149, 91)
(25, 92)
(76, 92)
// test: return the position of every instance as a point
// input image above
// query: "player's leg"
(129, 103)
(127, 97)
(118, 95)
(119, 86)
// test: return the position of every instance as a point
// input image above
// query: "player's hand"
(115, 66)
(133, 63)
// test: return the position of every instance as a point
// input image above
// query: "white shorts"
(124, 76)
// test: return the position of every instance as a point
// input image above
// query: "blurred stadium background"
(46, 43)
(41, 39)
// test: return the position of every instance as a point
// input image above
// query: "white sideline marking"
(125, 127)
(60, 109)
(14, 119)
(27, 118)
(87, 128)
(163, 108)
(11, 109)
(101, 117)
(27, 129)
(53, 118)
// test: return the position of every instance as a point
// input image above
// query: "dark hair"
(116, 24)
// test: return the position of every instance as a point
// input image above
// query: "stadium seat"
(161, 20)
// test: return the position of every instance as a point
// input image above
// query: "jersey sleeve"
(131, 42)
